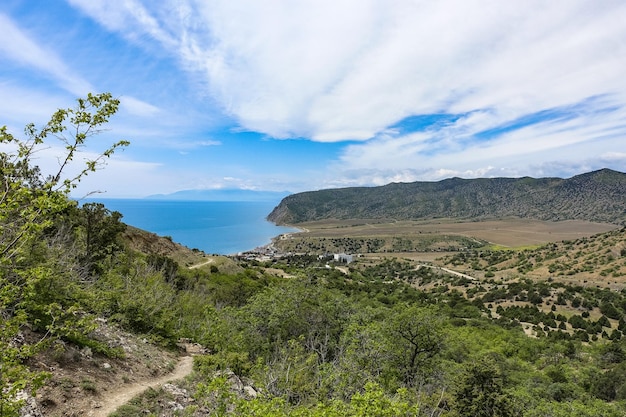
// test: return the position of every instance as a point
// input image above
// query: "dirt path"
(449, 271)
(201, 264)
(124, 394)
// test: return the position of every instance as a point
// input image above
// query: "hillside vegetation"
(88, 304)
(598, 196)
(598, 260)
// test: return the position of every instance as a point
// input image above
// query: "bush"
(609, 310)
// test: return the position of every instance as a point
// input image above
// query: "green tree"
(416, 334)
(480, 391)
(101, 230)
(29, 203)
(609, 310)
(611, 385)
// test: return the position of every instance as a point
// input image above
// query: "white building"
(342, 257)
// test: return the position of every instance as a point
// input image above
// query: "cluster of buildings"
(270, 252)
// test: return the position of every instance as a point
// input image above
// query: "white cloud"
(20, 105)
(347, 69)
(614, 156)
(332, 70)
(204, 143)
(130, 17)
(137, 107)
(19, 47)
(593, 139)
(185, 147)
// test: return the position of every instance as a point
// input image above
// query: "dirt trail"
(449, 271)
(125, 393)
(201, 264)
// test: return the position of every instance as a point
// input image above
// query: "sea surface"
(215, 227)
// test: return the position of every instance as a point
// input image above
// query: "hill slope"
(597, 260)
(596, 196)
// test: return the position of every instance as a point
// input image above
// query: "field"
(506, 233)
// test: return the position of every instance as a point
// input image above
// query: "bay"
(215, 227)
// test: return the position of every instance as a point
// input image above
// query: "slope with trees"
(383, 338)
(34, 262)
(598, 196)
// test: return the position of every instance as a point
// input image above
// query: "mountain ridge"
(224, 194)
(594, 196)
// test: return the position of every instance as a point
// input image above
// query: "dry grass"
(506, 232)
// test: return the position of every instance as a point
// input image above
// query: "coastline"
(214, 227)
(270, 249)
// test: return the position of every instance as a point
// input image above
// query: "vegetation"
(387, 337)
(35, 288)
(595, 260)
(378, 244)
(596, 196)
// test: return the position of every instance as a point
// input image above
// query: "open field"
(512, 232)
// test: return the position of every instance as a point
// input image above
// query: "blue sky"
(293, 96)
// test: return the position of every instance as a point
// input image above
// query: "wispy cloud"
(465, 148)
(411, 90)
(184, 147)
(204, 143)
(19, 47)
(25, 104)
(348, 69)
(129, 17)
(137, 107)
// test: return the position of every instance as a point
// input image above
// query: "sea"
(215, 227)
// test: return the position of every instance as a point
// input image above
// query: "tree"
(480, 392)
(417, 337)
(102, 227)
(609, 310)
(29, 202)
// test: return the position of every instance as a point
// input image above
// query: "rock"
(235, 382)
(249, 392)
(106, 365)
(174, 406)
(191, 348)
(242, 387)
(30, 407)
(86, 352)
(175, 391)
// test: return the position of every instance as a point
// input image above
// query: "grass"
(502, 234)
(88, 385)
(514, 248)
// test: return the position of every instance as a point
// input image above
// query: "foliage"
(101, 230)
(380, 338)
(480, 392)
(595, 196)
(35, 284)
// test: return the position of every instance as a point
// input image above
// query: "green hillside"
(89, 306)
(598, 196)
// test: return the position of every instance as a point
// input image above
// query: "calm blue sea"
(216, 227)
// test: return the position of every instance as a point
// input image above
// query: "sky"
(284, 95)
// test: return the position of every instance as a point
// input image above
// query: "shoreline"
(270, 248)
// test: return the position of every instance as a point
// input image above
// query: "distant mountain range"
(222, 195)
(598, 196)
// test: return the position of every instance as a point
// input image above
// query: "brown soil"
(124, 394)
(86, 384)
